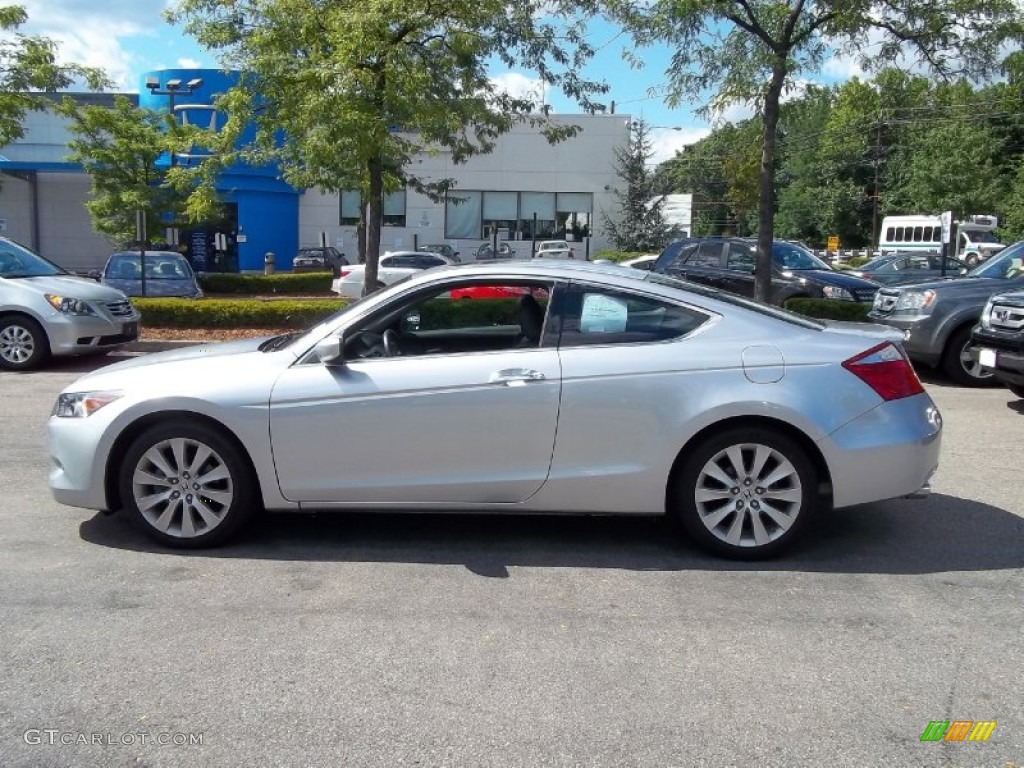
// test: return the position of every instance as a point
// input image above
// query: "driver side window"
(467, 317)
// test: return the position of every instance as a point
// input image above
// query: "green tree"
(29, 63)
(120, 148)
(344, 95)
(639, 223)
(749, 51)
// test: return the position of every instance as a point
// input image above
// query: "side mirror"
(331, 351)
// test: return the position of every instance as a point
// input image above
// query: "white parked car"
(392, 268)
(554, 249)
(646, 262)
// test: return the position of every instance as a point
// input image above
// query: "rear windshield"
(731, 298)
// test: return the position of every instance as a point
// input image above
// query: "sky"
(127, 38)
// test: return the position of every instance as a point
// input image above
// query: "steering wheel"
(390, 341)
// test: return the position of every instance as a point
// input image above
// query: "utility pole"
(875, 196)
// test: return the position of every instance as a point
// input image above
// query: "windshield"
(125, 266)
(1009, 263)
(18, 261)
(790, 256)
(981, 236)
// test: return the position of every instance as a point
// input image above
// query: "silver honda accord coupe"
(557, 387)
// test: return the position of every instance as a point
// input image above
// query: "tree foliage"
(29, 64)
(639, 224)
(750, 51)
(124, 150)
(345, 95)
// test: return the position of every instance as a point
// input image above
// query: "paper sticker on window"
(602, 314)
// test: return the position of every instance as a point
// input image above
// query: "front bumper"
(918, 336)
(1008, 351)
(82, 335)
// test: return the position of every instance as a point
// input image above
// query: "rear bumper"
(889, 452)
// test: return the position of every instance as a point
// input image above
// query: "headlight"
(78, 405)
(915, 300)
(986, 315)
(835, 292)
(68, 305)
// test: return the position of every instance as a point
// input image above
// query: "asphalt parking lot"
(395, 640)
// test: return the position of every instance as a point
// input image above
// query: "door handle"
(515, 377)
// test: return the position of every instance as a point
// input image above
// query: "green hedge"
(830, 309)
(287, 314)
(302, 284)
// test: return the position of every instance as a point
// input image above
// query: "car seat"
(530, 315)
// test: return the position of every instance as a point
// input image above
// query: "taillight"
(344, 272)
(886, 370)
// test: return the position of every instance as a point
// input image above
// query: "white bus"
(976, 239)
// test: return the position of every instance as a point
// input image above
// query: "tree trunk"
(376, 216)
(766, 204)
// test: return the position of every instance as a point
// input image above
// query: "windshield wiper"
(275, 343)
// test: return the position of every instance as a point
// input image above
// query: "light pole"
(171, 89)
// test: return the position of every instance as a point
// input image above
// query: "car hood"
(160, 287)
(832, 277)
(965, 287)
(185, 370)
(71, 286)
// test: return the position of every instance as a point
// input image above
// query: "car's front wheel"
(960, 366)
(23, 343)
(187, 484)
(746, 493)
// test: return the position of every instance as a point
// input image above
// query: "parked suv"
(998, 340)
(729, 263)
(936, 317)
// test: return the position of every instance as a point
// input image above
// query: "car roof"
(162, 254)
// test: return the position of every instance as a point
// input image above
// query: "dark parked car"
(908, 267)
(442, 249)
(998, 340)
(729, 263)
(486, 251)
(316, 259)
(937, 317)
(168, 273)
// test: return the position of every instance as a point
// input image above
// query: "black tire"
(1017, 389)
(972, 260)
(193, 514)
(712, 521)
(23, 343)
(958, 366)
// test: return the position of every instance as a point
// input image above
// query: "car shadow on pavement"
(941, 533)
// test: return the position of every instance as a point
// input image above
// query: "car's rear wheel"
(745, 494)
(187, 485)
(960, 366)
(23, 343)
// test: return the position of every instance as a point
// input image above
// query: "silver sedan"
(578, 388)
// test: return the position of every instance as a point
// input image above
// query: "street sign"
(833, 243)
(947, 226)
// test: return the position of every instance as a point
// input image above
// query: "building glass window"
(394, 208)
(462, 211)
(501, 213)
(349, 207)
(541, 204)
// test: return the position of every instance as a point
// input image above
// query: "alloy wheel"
(182, 487)
(17, 344)
(748, 495)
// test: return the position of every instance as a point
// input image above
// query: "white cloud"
(666, 142)
(519, 86)
(187, 63)
(90, 33)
